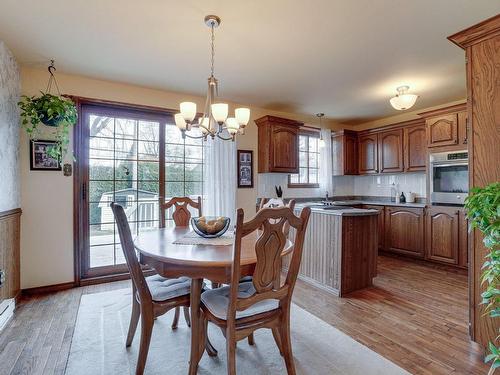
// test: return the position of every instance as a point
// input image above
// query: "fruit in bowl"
(210, 226)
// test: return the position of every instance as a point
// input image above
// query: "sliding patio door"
(134, 158)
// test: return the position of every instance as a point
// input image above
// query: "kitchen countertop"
(318, 208)
(378, 203)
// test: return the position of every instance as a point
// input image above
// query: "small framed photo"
(39, 160)
(245, 169)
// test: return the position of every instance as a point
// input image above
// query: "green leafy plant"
(483, 211)
(50, 110)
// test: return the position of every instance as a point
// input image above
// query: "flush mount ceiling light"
(214, 121)
(403, 100)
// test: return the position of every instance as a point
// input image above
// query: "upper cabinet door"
(350, 155)
(415, 149)
(278, 145)
(368, 154)
(390, 151)
(285, 149)
(442, 130)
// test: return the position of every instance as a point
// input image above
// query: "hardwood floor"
(415, 315)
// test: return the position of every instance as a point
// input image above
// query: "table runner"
(192, 238)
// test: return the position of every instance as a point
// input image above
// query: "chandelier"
(214, 121)
(403, 100)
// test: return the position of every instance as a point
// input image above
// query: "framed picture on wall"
(39, 160)
(245, 169)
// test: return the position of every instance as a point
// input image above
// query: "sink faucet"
(326, 196)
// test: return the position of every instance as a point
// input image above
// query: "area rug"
(98, 345)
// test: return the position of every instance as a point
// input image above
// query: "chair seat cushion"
(217, 301)
(162, 288)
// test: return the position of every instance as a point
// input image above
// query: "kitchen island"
(340, 248)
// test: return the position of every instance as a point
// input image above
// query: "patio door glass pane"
(123, 167)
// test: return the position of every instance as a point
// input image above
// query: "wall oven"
(449, 177)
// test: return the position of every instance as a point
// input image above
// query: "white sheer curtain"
(325, 163)
(219, 179)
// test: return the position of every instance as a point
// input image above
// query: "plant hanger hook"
(51, 68)
(52, 79)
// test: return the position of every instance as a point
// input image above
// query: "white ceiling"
(344, 58)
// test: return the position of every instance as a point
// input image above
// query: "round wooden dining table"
(158, 250)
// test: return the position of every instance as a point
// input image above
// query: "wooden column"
(481, 43)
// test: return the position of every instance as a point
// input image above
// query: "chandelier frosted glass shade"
(403, 100)
(179, 121)
(242, 116)
(220, 111)
(188, 110)
(232, 125)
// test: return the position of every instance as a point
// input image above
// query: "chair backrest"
(291, 203)
(270, 225)
(134, 267)
(181, 214)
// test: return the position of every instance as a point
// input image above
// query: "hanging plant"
(51, 110)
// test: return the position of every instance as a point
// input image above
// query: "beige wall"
(47, 197)
(404, 116)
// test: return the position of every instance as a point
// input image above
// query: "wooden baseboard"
(83, 282)
(48, 288)
(111, 278)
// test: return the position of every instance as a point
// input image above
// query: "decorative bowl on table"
(210, 226)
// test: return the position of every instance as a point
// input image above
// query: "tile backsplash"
(380, 185)
(371, 185)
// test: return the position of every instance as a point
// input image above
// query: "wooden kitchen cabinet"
(442, 234)
(345, 153)
(415, 148)
(404, 231)
(390, 151)
(278, 145)
(368, 154)
(446, 128)
(442, 130)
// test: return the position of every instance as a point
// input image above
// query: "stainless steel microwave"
(449, 177)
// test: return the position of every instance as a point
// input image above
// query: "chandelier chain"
(213, 47)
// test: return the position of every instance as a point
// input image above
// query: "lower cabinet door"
(442, 234)
(404, 231)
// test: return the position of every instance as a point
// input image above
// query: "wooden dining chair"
(241, 308)
(181, 217)
(181, 214)
(152, 296)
